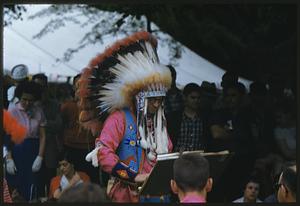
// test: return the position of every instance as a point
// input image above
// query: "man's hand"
(93, 156)
(141, 177)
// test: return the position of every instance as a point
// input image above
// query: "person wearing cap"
(128, 85)
(19, 73)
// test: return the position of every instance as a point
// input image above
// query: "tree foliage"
(250, 39)
(11, 13)
(99, 24)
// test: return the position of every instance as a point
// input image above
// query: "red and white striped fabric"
(6, 195)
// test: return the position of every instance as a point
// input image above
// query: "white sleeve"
(11, 93)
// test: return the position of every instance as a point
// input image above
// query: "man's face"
(232, 97)
(251, 191)
(153, 104)
(192, 100)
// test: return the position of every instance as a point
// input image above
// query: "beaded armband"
(124, 172)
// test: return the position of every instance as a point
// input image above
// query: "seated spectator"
(250, 193)
(191, 178)
(86, 192)
(287, 185)
(68, 178)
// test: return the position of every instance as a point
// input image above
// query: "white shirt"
(242, 200)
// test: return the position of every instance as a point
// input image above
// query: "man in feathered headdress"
(128, 83)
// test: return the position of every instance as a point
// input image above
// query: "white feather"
(131, 69)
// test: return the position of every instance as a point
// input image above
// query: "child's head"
(191, 173)
(251, 190)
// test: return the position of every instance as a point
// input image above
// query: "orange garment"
(12, 127)
(55, 182)
(74, 135)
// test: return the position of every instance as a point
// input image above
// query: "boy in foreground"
(191, 178)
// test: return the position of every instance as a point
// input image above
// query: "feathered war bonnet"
(126, 71)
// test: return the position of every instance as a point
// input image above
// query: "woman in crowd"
(24, 160)
(68, 178)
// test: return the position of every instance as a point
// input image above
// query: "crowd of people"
(68, 156)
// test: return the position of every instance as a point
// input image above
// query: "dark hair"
(191, 87)
(191, 172)
(41, 76)
(240, 87)
(231, 74)
(84, 192)
(229, 77)
(28, 87)
(289, 179)
(64, 156)
(258, 88)
(253, 179)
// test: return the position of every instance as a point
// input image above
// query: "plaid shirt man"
(191, 134)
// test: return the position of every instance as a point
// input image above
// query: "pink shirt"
(111, 136)
(193, 199)
(32, 121)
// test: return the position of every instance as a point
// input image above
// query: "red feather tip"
(142, 35)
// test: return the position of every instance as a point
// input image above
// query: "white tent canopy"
(41, 55)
